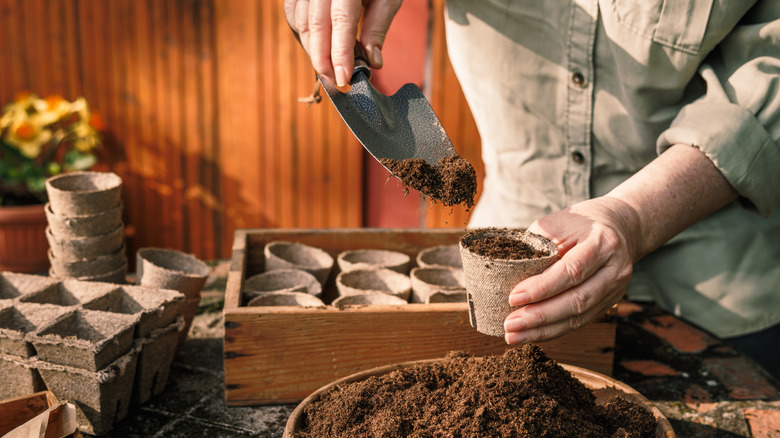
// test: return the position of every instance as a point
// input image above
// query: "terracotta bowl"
(603, 387)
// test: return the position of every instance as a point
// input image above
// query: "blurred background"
(200, 102)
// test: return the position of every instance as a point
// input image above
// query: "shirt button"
(578, 157)
(578, 79)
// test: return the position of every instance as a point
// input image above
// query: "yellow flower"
(28, 136)
(52, 109)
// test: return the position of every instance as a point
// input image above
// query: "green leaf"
(75, 160)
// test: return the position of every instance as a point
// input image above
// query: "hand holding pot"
(597, 242)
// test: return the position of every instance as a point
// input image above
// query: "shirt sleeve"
(736, 123)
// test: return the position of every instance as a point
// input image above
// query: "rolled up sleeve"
(736, 123)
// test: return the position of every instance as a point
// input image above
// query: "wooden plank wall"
(200, 103)
(450, 105)
(199, 98)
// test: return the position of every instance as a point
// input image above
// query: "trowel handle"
(361, 60)
(361, 56)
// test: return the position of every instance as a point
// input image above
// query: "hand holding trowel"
(403, 133)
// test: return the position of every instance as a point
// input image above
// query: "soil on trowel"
(498, 247)
(519, 394)
(452, 181)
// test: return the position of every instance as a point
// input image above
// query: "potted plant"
(39, 138)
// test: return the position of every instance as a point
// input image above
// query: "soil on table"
(452, 181)
(519, 394)
(503, 248)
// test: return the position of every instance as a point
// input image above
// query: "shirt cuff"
(737, 144)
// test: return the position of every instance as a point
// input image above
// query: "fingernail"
(518, 299)
(515, 324)
(515, 338)
(376, 57)
(341, 76)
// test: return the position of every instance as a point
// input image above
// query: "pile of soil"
(519, 394)
(503, 248)
(453, 181)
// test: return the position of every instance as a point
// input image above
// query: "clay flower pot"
(440, 256)
(373, 258)
(83, 193)
(371, 298)
(374, 280)
(284, 298)
(68, 227)
(489, 280)
(86, 247)
(291, 255)
(281, 280)
(428, 281)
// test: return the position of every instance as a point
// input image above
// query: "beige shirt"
(573, 97)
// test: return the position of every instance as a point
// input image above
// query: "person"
(640, 136)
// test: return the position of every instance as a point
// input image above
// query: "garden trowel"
(400, 126)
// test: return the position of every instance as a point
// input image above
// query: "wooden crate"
(282, 354)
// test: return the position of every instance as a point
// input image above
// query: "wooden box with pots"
(282, 353)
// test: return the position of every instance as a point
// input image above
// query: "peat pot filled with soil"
(494, 261)
(521, 393)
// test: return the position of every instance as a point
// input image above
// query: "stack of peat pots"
(85, 232)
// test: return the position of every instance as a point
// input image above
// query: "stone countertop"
(703, 386)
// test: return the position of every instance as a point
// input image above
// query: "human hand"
(327, 30)
(598, 241)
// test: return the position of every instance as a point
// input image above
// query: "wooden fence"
(200, 100)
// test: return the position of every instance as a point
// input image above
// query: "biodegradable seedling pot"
(20, 377)
(447, 256)
(152, 309)
(457, 296)
(13, 285)
(427, 281)
(155, 357)
(290, 255)
(101, 397)
(374, 280)
(489, 280)
(69, 227)
(373, 258)
(69, 292)
(97, 266)
(83, 193)
(17, 322)
(368, 298)
(281, 280)
(85, 248)
(170, 269)
(85, 339)
(286, 298)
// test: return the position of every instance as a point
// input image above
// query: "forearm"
(673, 192)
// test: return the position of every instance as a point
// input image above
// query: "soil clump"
(519, 394)
(503, 248)
(452, 181)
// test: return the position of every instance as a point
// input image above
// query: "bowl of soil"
(373, 258)
(494, 261)
(521, 393)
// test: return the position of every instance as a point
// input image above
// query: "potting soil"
(452, 181)
(519, 394)
(503, 248)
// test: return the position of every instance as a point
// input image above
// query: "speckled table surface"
(703, 386)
